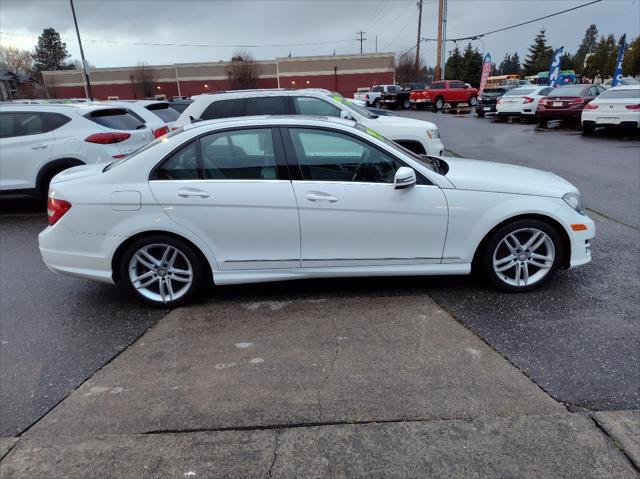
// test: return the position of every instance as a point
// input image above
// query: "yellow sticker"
(375, 134)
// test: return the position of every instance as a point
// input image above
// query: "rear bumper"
(420, 101)
(558, 114)
(629, 119)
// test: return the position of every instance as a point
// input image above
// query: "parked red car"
(566, 103)
(441, 92)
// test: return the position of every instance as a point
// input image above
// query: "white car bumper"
(596, 117)
(579, 238)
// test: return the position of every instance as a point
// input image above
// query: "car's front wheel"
(522, 255)
(376, 103)
(438, 104)
(162, 271)
(406, 104)
(473, 100)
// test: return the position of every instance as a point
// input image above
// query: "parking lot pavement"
(313, 388)
(55, 331)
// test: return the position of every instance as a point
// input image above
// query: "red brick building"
(341, 73)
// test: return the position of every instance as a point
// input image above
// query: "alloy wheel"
(160, 272)
(524, 257)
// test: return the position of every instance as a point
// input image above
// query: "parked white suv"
(158, 115)
(421, 137)
(37, 141)
(373, 97)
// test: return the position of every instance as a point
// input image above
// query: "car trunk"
(122, 121)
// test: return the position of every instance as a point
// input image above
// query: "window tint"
(164, 112)
(520, 92)
(306, 105)
(332, 156)
(224, 109)
(182, 165)
(29, 123)
(457, 84)
(377, 89)
(116, 119)
(179, 107)
(437, 86)
(573, 90)
(394, 88)
(267, 105)
(621, 94)
(239, 155)
(545, 91)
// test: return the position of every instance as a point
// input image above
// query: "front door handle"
(190, 192)
(39, 147)
(320, 196)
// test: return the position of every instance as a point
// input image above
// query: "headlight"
(432, 134)
(575, 201)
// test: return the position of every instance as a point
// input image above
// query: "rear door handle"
(39, 147)
(190, 192)
(320, 196)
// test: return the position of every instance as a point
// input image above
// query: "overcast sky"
(322, 25)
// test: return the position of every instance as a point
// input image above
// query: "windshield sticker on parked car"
(375, 134)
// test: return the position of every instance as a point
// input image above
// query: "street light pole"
(87, 83)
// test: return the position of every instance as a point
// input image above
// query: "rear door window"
(164, 112)
(30, 123)
(268, 105)
(224, 109)
(182, 165)
(116, 119)
(437, 86)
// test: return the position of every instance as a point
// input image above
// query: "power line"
(199, 45)
(361, 39)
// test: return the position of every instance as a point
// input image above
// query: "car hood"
(78, 172)
(400, 121)
(504, 178)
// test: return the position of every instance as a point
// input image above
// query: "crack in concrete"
(10, 449)
(328, 375)
(613, 441)
(276, 446)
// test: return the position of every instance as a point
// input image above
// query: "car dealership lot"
(577, 338)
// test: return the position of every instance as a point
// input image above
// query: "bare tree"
(19, 61)
(244, 71)
(144, 80)
(407, 70)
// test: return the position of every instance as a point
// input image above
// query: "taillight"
(56, 209)
(578, 101)
(107, 138)
(161, 131)
(528, 99)
(543, 102)
(367, 96)
(590, 106)
(632, 107)
(174, 128)
(499, 100)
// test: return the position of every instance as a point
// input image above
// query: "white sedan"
(256, 199)
(522, 101)
(616, 107)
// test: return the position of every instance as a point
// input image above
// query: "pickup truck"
(452, 92)
(372, 98)
(399, 97)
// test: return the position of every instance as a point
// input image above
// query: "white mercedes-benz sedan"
(256, 199)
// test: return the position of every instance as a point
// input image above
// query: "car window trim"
(296, 171)
(282, 169)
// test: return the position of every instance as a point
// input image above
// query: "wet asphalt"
(578, 338)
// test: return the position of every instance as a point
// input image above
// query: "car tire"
(473, 100)
(376, 103)
(480, 113)
(406, 104)
(160, 277)
(588, 129)
(543, 123)
(521, 256)
(438, 104)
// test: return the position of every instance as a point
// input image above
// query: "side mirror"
(345, 115)
(405, 178)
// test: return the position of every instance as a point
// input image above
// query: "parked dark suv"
(487, 102)
(400, 99)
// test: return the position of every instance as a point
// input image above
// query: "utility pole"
(419, 29)
(87, 83)
(376, 43)
(361, 40)
(443, 61)
(438, 71)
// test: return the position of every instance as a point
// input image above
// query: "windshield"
(574, 90)
(423, 160)
(352, 106)
(146, 147)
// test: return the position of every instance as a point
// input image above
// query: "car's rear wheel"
(588, 129)
(522, 255)
(480, 113)
(543, 123)
(376, 103)
(438, 104)
(473, 100)
(406, 104)
(162, 271)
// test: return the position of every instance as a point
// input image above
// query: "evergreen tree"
(471, 66)
(587, 46)
(453, 67)
(603, 61)
(510, 65)
(515, 63)
(50, 53)
(631, 62)
(539, 57)
(567, 61)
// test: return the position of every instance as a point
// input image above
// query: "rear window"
(621, 94)
(164, 112)
(267, 105)
(224, 109)
(377, 89)
(520, 92)
(179, 107)
(567, 91)
(116, 119)
(493, 92)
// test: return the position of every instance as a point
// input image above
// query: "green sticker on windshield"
(338, 98)
(375, 134)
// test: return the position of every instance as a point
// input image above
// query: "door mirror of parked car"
(345, 115)
(405, 178)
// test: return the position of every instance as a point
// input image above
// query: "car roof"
(262, 92)
(80, 108)
(624, 87)
(301, 120)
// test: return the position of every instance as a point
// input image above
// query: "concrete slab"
(231, 364)
(624, 427)
(568, 446)
(6, 443)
